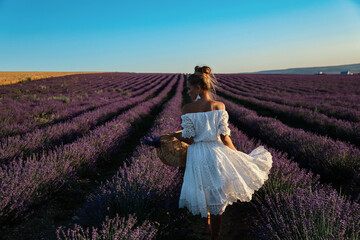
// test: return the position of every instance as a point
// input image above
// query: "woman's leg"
(207, 224)
(215, 226)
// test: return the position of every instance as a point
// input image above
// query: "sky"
(175, 36)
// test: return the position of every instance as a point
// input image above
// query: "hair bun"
(203, 69)
(204, 78)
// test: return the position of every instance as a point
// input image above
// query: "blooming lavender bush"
(308, 214)
(112, 229)
(139, 187)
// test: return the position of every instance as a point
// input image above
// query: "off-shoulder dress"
(215, 175)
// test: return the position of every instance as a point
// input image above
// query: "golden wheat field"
(17, 76)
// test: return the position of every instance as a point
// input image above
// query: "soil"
(236, 222)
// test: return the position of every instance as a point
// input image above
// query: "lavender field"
(76, 162)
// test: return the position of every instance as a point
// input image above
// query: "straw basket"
(172, 151)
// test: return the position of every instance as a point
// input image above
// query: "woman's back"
(203, 106)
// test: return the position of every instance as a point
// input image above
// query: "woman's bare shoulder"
(191, 107)
(218, 105)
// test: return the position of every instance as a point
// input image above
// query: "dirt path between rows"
(236, 223)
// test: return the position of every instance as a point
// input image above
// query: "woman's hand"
(227, 141)
(187, 140)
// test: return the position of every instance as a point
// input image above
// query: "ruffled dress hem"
(215, 175)
(231, 197)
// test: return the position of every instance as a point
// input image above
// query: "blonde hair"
(205, 79)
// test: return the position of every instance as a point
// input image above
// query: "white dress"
(215, 175)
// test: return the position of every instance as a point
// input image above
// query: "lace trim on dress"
(224, 125)
(214, 209)
(230, 197)
(188, 127)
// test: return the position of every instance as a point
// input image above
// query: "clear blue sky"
(174, 36)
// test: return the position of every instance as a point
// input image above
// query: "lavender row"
(319, 104)
(308, 214)
(332, 90)
(335, 161)
(326, 103)
(45, 113)
(25, 118)
(70, 84)
(143, 187)
(341, 97)
(315, 122)
(337, 88)
(64, 85)
(28, 182)
(14, 111)
(293, 204)
(65, 132)
(112, 228)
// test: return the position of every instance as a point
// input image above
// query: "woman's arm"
(190, 140)
(227, 141)
(187, 140)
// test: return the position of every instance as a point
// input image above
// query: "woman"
(216, 174)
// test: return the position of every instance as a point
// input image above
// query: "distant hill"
(354, 68)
